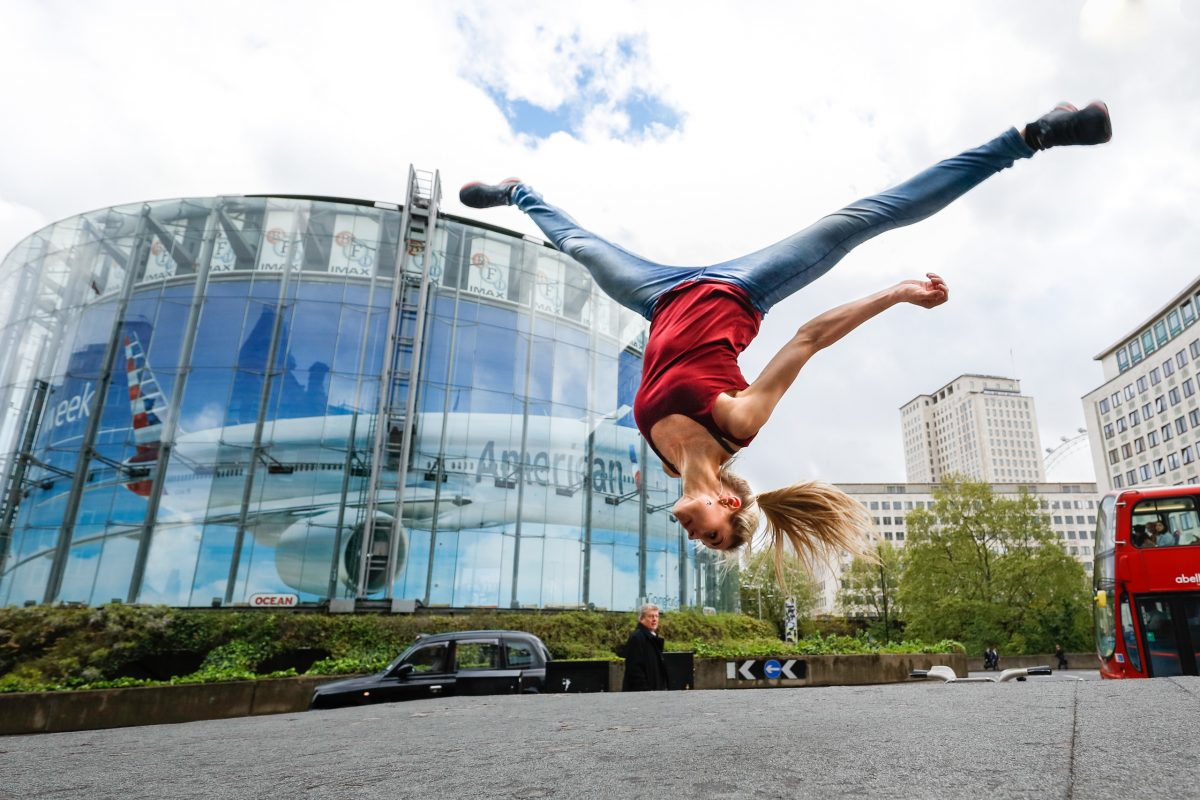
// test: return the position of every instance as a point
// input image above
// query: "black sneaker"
(485, 195)
(1067, 125)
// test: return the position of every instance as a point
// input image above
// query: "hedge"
(46, 648)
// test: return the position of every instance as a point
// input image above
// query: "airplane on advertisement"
(301, 492)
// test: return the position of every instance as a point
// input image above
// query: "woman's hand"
(926, 294)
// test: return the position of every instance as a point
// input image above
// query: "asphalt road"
(1046, 738)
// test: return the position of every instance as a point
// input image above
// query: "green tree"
(987, 570)
(870, 588)
(762, 594)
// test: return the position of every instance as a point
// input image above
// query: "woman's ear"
(731, 501)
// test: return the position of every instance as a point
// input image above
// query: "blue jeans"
(773, 273)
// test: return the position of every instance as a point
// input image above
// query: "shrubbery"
(44, 647)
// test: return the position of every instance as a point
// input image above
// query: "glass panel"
(1166, 522)
(519, 655)
(1191, 610)
(1128, 635)
(428, 660)
(1159, 630)
(477, 655)
(1160, 333)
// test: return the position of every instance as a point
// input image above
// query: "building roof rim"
(350, 201)
(960, 377)
(1189, 289)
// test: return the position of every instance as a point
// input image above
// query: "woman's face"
(707, 520)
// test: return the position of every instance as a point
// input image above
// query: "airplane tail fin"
(148, 407)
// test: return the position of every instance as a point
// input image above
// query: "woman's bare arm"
(750, 410)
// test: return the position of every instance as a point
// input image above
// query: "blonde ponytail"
(815, 520)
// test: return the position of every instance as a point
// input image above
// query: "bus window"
(1131, 645)
(1106, 525)
(1165, 522)
(1161, 645)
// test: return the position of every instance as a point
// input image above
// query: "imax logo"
(1188, 578)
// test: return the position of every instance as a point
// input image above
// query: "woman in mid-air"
(694, 407)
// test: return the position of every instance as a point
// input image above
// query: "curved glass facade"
(209, 399)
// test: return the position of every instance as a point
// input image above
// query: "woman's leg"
(628, 279)
(775, 272)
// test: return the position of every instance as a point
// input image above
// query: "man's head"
(649, 616)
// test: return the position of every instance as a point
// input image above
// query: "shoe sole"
(1103, 107)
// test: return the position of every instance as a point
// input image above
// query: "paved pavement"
(1046, 738)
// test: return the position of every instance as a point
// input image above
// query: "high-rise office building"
(1144, 420)
(979, 426)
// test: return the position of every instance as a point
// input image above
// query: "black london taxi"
(443, 664)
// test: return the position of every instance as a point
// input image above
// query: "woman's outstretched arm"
(750, 410)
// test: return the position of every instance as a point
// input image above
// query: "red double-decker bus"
(1147, 582)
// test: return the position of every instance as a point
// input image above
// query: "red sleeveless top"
(697, 331)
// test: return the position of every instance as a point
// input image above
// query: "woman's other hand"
(926, 294)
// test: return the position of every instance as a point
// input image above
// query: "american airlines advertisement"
(488, 468)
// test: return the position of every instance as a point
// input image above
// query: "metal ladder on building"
(391, 432)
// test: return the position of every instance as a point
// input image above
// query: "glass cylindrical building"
(210, 399)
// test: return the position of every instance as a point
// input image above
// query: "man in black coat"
(645, 668)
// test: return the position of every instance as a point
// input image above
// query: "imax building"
(210, 400)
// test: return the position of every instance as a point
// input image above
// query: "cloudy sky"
(691, 133)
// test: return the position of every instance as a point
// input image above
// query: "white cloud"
(788, 110)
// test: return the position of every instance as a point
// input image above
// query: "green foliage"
(45, 648)
(870, 589)
(763, 596)
(987, 570)
(817, 646)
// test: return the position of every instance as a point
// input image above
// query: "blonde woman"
(694, 407)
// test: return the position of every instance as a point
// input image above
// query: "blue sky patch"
(648, 113)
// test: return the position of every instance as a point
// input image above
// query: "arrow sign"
(771, 669)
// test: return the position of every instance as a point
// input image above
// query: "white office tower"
(980, 426)
(1144, 420)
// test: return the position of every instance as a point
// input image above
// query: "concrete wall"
(845, 670)
(1087, 660)
(53, 712)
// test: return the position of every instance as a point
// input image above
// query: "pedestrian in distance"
(1061, 656)
(695, 408)
(645, 667)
